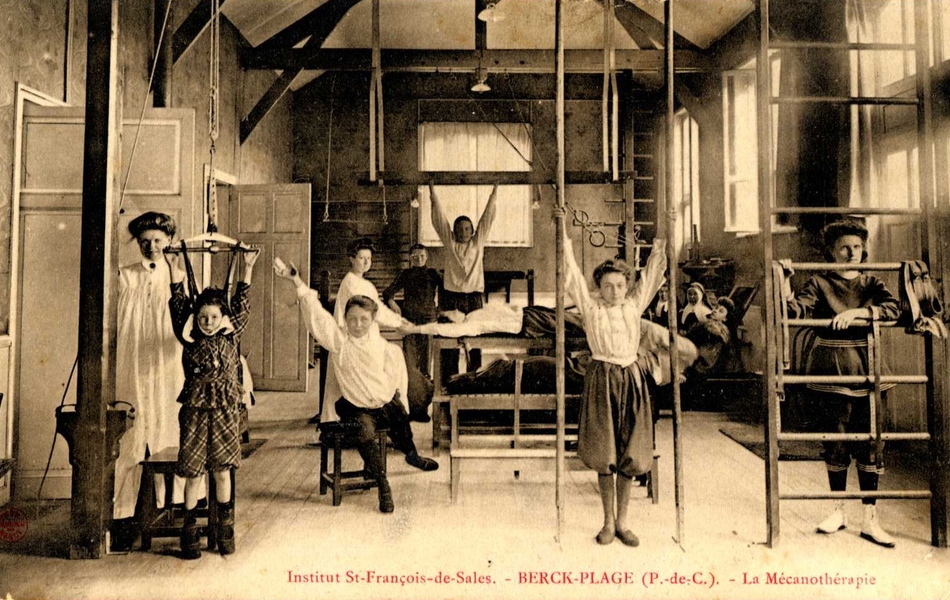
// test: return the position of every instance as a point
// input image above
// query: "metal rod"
(827, 323)
(560, 276)
(777, 44)
(818, 266)
(668, 209)
(933, 248)
(851, 437)
(841, 210)
(884, 495)
(854, 379)
(863, 100)
(764, 145)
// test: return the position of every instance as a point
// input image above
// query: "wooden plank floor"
(501, 527)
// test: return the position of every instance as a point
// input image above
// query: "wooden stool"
(167, 521)
(337, 436)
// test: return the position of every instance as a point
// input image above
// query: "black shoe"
(314, 420)
(190, 541)
(124, 532)
(226, 528)
(421, 462)
(386, 504)
(420, 417)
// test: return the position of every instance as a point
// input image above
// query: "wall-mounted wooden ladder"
(775, 322)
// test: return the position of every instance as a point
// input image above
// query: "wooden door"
(276, 218)
(46, 302)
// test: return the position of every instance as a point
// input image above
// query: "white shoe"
(835, 521)
(871, 530)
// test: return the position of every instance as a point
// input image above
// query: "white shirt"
(613, 332)
(369, 370)
(465, 267)
(355, 285)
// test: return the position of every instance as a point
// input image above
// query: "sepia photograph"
(474, 299)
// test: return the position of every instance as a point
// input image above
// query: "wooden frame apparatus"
(777, 324)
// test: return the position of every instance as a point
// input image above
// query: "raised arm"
(575, 284)
(439, 222)
(240, 306)
(653, 275)
(320, 323)
(179, 304)
(487, 219)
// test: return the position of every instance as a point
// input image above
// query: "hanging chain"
(214, 80)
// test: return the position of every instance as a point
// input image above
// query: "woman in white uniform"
(148, 369)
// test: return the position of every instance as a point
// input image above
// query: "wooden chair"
(336, 437)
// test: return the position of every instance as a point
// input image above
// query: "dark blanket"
(499, 378)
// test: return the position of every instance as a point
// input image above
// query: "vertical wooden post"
(559, 225)
(936, 352)
(667, 214)
(372, 92)
(162, 86)
(764, 140)
(96, 376)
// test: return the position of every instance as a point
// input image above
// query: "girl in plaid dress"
(209, 329)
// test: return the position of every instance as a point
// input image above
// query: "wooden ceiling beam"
(640, 23)
(400, 178)
(458, 61)
(319, 23)
(191, 29)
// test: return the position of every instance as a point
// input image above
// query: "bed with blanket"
(515, 395)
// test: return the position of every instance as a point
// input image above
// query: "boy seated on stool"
(371, 374)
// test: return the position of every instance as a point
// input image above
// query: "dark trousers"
(391, 416)
(464, 303)
(416, 348)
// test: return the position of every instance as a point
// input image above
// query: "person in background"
(148, 371)
(697, 307)
(464, 285)
(420, 286)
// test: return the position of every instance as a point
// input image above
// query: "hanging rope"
(138, 128)
(326, 193)
(214, 81)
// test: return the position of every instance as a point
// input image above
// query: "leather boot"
(835, 521)
(190, 541)
(226, 528)
(386, 504)
(871, 529)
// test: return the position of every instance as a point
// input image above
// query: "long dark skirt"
(616, 424)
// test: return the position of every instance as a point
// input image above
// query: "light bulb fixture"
(480, 85)
(491, 14)
(536, 203)
(414, 203)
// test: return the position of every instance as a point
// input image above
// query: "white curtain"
(477, 147)
(864, 181)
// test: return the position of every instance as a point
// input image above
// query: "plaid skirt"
(616, 421)
(209, 440)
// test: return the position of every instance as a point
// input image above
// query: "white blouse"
(613, 332)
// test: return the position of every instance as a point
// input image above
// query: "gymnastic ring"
(597, 232)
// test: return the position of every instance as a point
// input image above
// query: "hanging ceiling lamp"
(480, 85)
(491, 14)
